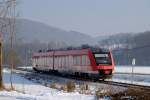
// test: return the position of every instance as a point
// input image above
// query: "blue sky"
(93, 17)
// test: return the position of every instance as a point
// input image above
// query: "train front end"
(103, 62)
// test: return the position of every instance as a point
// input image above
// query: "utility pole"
(3, 14)
(1, 67)
(11, 37)
(133, 64)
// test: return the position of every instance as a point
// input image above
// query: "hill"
(29, 31)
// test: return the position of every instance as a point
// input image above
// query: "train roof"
(70, 51)
(93, 49)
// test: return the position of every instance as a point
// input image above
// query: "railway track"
(45, 76)
(128, 85)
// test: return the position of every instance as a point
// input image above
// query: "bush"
(64, 88)
(70, 86)
(53, 85)
(104, 93)
(84, 88)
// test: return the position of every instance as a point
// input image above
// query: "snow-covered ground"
(28, 90)
(34, 91)
(136, 69)
(140, 76)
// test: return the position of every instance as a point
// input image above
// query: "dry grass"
(53, 85)
(64, 88)
(102, 93)
(132, 94)
(129, 94)
(84, 89)
(71, 86)
(2, 88)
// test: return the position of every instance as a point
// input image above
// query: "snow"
(34, 91)
(47, 96)
(132, 82)
(141, 75)
(136, 69)
(29, 90)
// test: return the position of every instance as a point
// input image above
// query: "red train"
(90, 62)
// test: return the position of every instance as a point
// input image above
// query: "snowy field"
(140, 76)
(136, 69)
(34, 91)
(29, 90)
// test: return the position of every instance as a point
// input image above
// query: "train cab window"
(103, 59)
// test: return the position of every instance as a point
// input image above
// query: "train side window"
(88, 61)
(44, 58)
(50, 61)
(62, 61)
(56, 61)
(39, 60)
(69, 60)
(83, 62)
(66, 59)
(59, 61)
(78, 60)
(74, 60)
(42, 61)
(36, 61)
(45, 61)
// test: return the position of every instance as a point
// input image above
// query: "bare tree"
(7, 23)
